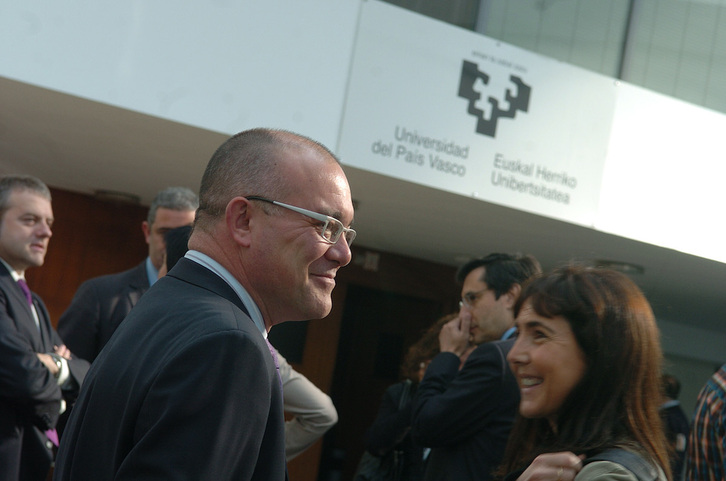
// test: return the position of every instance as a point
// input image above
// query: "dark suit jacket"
(390, 431)
(466, 416)
(29, 394)
(185, 389)
(99, 306)
(677, 428)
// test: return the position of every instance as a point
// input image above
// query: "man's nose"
(44, 230)
(340, 252)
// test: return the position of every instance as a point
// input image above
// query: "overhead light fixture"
(116, 196)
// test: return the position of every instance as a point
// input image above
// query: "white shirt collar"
(151, 272)
(16, 277)
(508, 333)
(244, 296)
(12, 272)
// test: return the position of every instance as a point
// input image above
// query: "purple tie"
(52, 434)
(274, 358)
(26, 290)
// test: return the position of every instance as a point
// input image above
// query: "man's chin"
(36, 261)
(320, 307)
(322, 312)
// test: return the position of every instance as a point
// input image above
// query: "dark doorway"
(377, 328)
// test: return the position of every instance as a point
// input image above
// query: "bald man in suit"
(188, 387)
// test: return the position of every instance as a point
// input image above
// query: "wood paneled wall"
(90, 238)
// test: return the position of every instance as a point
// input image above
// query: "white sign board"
(453, 110)
(224, 66)
(663, 180)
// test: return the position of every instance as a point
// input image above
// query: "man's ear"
(237, 217)
(512, 295)
(146, 228)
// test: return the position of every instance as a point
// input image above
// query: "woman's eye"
(539, 335)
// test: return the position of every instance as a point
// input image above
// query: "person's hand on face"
(454, 336)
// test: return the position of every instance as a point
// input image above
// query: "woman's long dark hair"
(424, 349)
(616, 402)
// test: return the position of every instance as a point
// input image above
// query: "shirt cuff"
(65, 372)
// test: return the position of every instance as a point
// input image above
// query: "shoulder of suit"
(5, 275)
(605, 470)
(494, 346)
(493, 353)
(135, 274)
(6, 280)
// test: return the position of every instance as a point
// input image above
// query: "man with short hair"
(311, 411)
(101, 303)
(36, 369)
(188, 387)
(177, 244)
(465, 405)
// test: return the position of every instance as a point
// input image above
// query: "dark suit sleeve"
(25, 382)
(391, 425)
(78, 326)
(205, 416)
(77, 367)
(452, 405)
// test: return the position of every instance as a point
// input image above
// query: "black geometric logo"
(487, 124)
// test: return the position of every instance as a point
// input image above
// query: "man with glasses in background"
(188, 386)
(466, 403)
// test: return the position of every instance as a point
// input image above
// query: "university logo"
(490, 109)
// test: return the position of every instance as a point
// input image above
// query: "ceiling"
(84, 146)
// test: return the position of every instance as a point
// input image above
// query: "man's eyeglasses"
(470, 298)
(331, 228)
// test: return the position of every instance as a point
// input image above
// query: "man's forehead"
(324, 188)
(25, 198)
(171, 218)
(475, 277)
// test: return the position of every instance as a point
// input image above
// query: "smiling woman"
(588, 360)
(547, 362)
